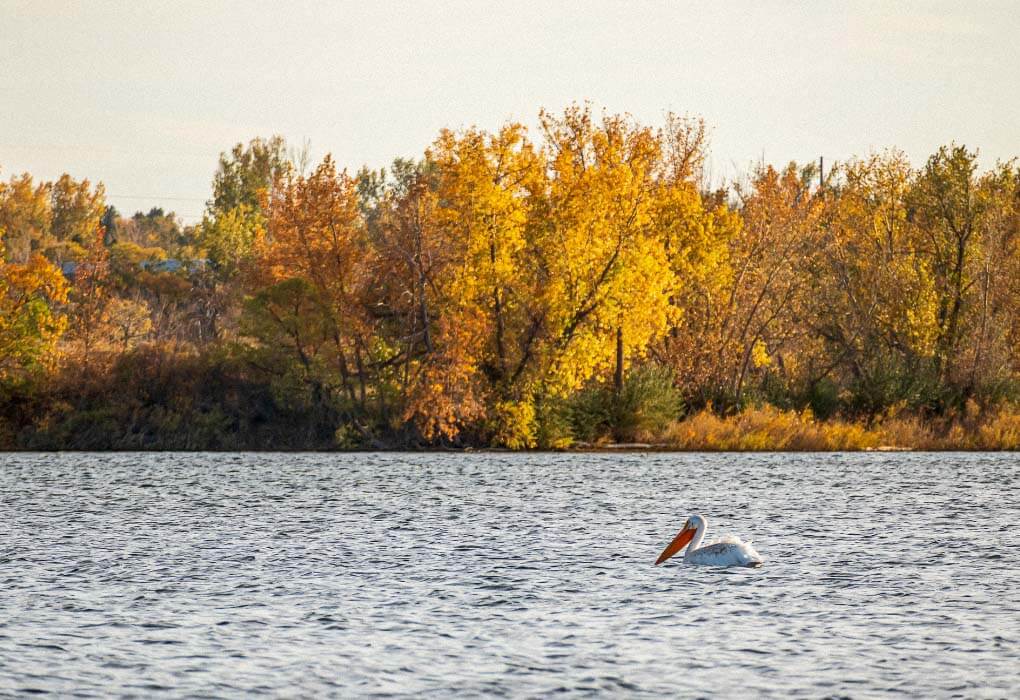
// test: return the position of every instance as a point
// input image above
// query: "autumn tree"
(696, 233)
(26, 217)
(949, 210)
(152, 229)
(77, 210)
(248, 173)
(129, 319)
(316, 236)
(31, 323)
(684, 142)
(991, 354)
(234, 222)
(578, 282)
(295, 351)
(481, 286)
(871, 310)
(603, 282)
(433, 345)
(741, 282)
(89, 299)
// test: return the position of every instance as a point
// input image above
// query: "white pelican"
(729, 551)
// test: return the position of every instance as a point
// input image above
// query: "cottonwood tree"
(31, 322)
(26, 217)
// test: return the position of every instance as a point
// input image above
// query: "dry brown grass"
(1000, 433)
(769, 428)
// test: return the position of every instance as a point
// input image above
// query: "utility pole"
(821, 171)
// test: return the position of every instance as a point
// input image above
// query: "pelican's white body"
(728, 551)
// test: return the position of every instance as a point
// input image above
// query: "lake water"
(512, 574)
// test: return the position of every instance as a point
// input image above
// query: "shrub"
(644, 408)
(552, 423)
(589, 413)
(513, 424)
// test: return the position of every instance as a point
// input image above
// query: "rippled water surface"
(442, 574)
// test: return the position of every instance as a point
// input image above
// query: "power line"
(176, 152)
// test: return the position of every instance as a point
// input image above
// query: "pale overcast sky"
(144, 95)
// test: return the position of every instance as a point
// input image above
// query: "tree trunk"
(618, 378)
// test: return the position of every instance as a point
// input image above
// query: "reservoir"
(448, 574)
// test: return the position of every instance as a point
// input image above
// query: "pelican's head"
(683, 538)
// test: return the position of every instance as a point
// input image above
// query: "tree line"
(575, 285)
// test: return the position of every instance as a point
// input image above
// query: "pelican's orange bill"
(678, 543)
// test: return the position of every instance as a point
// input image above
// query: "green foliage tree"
(247, 174)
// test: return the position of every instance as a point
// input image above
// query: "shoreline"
(612, 448)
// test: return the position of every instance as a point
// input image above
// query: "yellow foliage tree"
(697, 236)
(873, 309)
(30, 325)
(604, 277)
(486, 289)
(26, 217)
